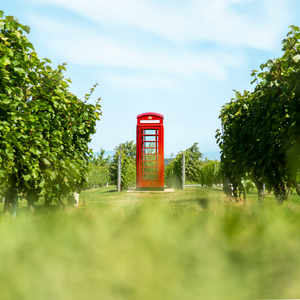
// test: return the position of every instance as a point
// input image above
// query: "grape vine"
(45, 129)
(261, 128)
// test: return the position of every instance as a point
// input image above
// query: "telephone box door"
(150, 157)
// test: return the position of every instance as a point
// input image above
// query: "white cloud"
(186, 28)
(145, 81)
(81, 45)
(217, 21)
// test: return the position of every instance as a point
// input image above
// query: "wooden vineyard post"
(119, 173)
(183, 171)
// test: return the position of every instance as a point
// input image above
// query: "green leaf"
(52, 175)
(3, 173)
(9, 154)
(46, 161)
(262, 66)
(296, 58)
(35, 151)
(7, 25)
(270, 64)
(5, 61)
(297, 35)
(32, 76)
(1, 14)
(9, 90)
(26, 177)
(26, 29)
(4, 74)
(2, 24)
(6, 101)
(15, 62)
(3, 38)
(42, 184)
(19, 70)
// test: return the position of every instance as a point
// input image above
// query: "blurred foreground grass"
(191, 244)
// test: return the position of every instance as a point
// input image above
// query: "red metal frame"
(150, 151)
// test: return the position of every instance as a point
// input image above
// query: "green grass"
(192, 244)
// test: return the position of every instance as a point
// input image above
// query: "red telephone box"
(150, 152)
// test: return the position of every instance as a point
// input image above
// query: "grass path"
(192, 244)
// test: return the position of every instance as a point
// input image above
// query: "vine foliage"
(261, 128)
(197, 170)
(45, 129)
(128, 165)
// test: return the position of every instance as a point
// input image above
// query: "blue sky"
(178, 58)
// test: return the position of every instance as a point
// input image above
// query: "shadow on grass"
(200, 188)
(37, 209)
(203, 202)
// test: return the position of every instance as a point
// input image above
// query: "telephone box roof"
(150, 114)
